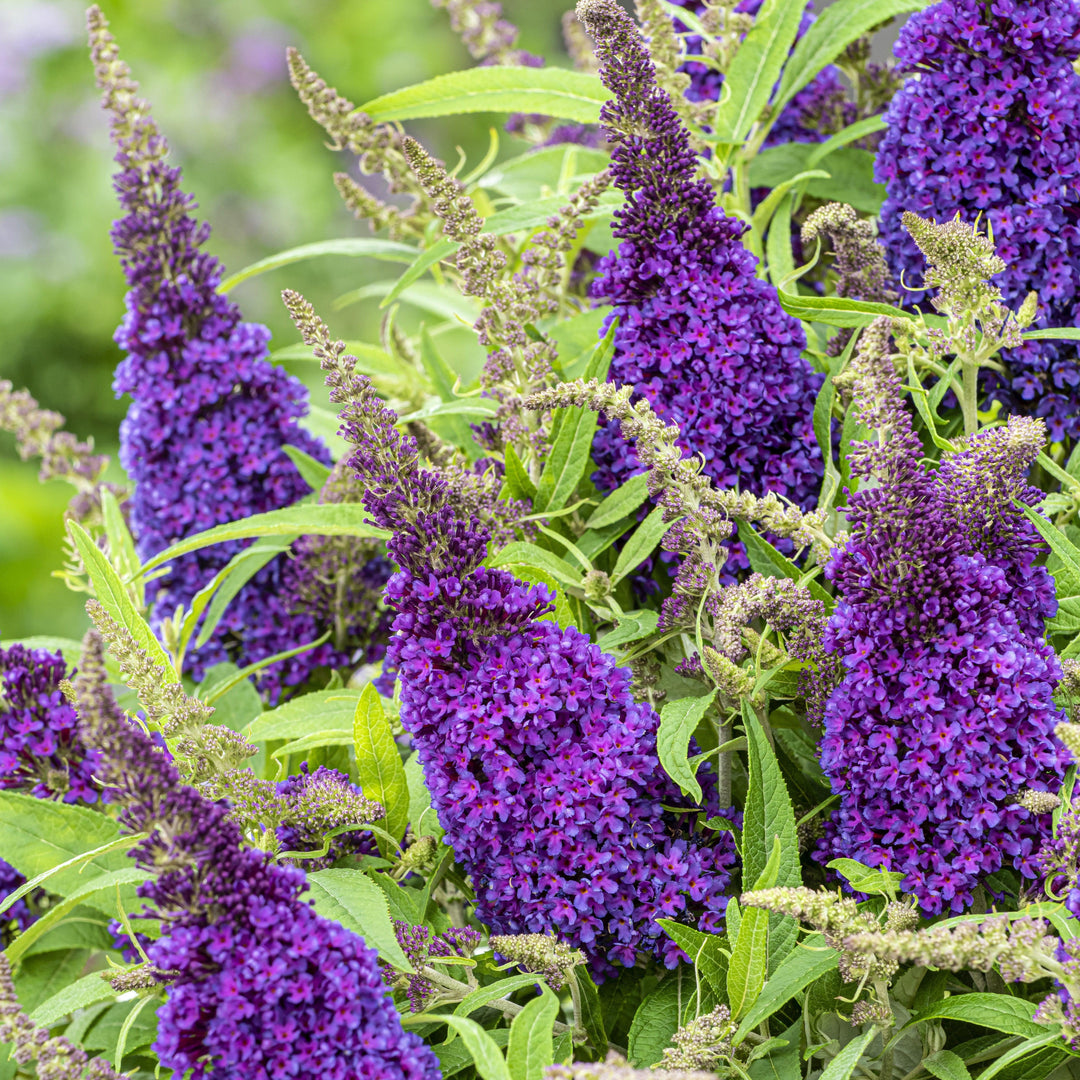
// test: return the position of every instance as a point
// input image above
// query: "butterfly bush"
(210, 417)
(542, 767)
(987, 124)
(258, 984)
(561, 778)
(944, 715)
(699, 335)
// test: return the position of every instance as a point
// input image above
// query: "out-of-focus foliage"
(215, 70)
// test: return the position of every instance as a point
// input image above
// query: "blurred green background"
(214, 71)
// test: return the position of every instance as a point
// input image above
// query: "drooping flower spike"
(988, 124)
(944, 715)
(210, 416)
(543, 770)
(258, 984)
(700, 336)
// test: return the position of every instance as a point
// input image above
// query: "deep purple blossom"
(542, 767)
(210, 415)
(945, 711)
(419, 943)
(988, 125)
(259, 985)
(42, 750)
(700, 336)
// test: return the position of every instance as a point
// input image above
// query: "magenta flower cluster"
(41, 748)
(269, 988)
(989, 126)
(700, 336)
(210, 414)
(419, 943)
(259, 984)
(945, 713)
(542, 767)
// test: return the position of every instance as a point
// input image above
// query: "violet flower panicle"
(944, 711)
(210, 415)
(257, 983)
(542, 768)
(988, 125)
(699, 336)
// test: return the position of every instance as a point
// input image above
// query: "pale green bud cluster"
(615, 1067)
(543, 954)
(838, 918)
(1018, 948)
(704, 1043)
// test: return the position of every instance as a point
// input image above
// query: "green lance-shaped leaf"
(304, 519)
(1059, 543)
(89, 990)
(768, 817)
(101, 892)
(843, 1065)
(379, 767)
(114, 596)
(351, 898)
(523, 553)
(755, 68)
(323, 710)
(809, 961)
(624, 500)
(486, 1053)
(641, 544)
(531, 1047)
(707, 952)
(750, 953)
(372, 247)
(493, 992)
(768, 561)
(946, 1065)
(838, 310)
(998, 1012)
(656, 1020)
(568, 95)
(67, 843)
(572, 438)
(832, 31)
(678, 721)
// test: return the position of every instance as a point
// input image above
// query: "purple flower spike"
(989, 126)
(700, 336)
(204, 436)
(259, 985)
(543, 769)
(944, 714)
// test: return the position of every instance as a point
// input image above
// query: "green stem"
(723, 779)
(969, 399)
(881, 992)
